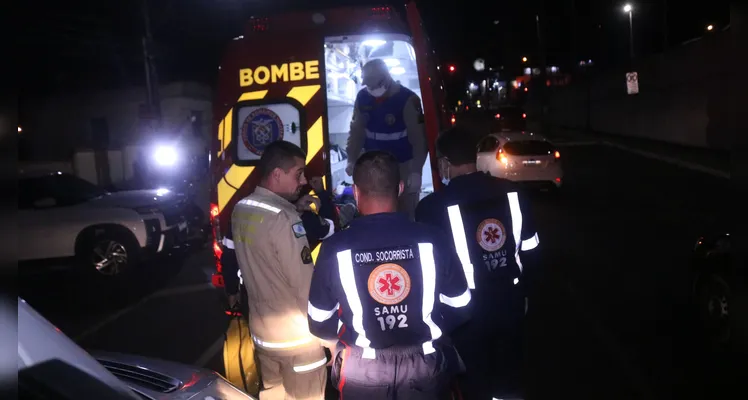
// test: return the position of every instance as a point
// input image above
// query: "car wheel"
(713, 297)
(109, 255)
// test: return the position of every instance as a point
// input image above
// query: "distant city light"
(524, 59)
(709, 27)
(20, 130)
(627, 8)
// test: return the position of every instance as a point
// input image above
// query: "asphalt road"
(609, 313)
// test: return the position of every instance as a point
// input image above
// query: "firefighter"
(492, 232)
(388, 291)
(388, 116)
(276, 263)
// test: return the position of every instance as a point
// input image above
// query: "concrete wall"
(683, 97)
(61, 125)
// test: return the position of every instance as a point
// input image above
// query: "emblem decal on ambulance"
(261, 127)
(491, 234)
(389, 284)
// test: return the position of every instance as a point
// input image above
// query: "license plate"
(531, 163)
(182, 226)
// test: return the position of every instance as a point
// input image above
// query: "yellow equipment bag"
(239, 357)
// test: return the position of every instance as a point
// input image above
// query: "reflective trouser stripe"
(428, 274)
(281, 345)
(310, 366)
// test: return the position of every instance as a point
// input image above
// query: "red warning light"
(451, 68)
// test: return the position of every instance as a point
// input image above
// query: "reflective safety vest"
(385, 124)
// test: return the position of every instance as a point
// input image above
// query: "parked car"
(522, 157)
(720, 293)
(68, 221)
(51, 366)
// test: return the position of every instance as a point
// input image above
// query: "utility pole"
(151, 78)
(541, 87)
(664, 26)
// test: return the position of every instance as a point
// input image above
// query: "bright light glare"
(20, 130)
(710, 27)
(627, 8)
(373, 43)
(392, 62)
(397, 71)
(165, 156)
(161, 191)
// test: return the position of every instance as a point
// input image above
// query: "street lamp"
(709, 27)
(629, 9)
(524, 59)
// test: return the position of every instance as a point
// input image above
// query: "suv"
(63, 217)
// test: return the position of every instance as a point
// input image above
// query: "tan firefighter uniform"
(276, 264)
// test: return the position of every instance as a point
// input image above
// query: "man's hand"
(305, 203)
(316, 184)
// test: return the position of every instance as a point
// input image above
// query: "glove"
(349, 169)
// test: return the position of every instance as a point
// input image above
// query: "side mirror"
(46, 202)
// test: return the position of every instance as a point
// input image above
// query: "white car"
(51, 366)
(62, 217)
(521, 157)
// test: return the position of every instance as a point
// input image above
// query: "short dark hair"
(377, 173)
(458, 145)
(279, 154)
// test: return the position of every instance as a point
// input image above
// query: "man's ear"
(400, 188)
(355, 193)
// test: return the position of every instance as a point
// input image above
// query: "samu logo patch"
(298, 229)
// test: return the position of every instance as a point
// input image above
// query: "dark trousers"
(491, 348)
(394, 373)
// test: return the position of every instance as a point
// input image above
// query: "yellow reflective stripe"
(260, 94)
(228, 124)
(303, 93)
(314, 139)
(221, 145)
(236, 177)
(315, 253)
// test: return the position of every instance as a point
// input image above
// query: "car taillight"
(501, 157)
(556, 155)
(524, 115)
(454, 120)
(213, 211)
(497, 116)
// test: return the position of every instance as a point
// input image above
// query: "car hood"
(166, 380)
(154, 198)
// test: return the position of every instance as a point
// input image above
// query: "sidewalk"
(713, 162)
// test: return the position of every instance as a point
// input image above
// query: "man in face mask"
(493, 233)
(388, 117)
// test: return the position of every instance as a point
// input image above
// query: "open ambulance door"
(432, 90)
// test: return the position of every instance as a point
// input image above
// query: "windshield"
(65, 189)
(528, 148)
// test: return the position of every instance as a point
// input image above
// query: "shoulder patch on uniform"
(306, 255)
(491, 234)
(298, 229)
(389, 284)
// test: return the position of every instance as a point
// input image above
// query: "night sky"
(71, 45)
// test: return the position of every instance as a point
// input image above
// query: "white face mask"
(378, 92)
(445, 174)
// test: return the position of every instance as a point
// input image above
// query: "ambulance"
(294, 76)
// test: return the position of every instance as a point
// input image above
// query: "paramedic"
(491, 229)
(276, 263)
(388, 116)
(389, 291)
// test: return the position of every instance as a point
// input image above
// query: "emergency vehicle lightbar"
(383, 12)
(260, 24)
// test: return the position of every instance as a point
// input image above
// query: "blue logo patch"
(298, 229)
(261, 128)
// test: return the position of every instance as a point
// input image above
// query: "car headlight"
(165, 156)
